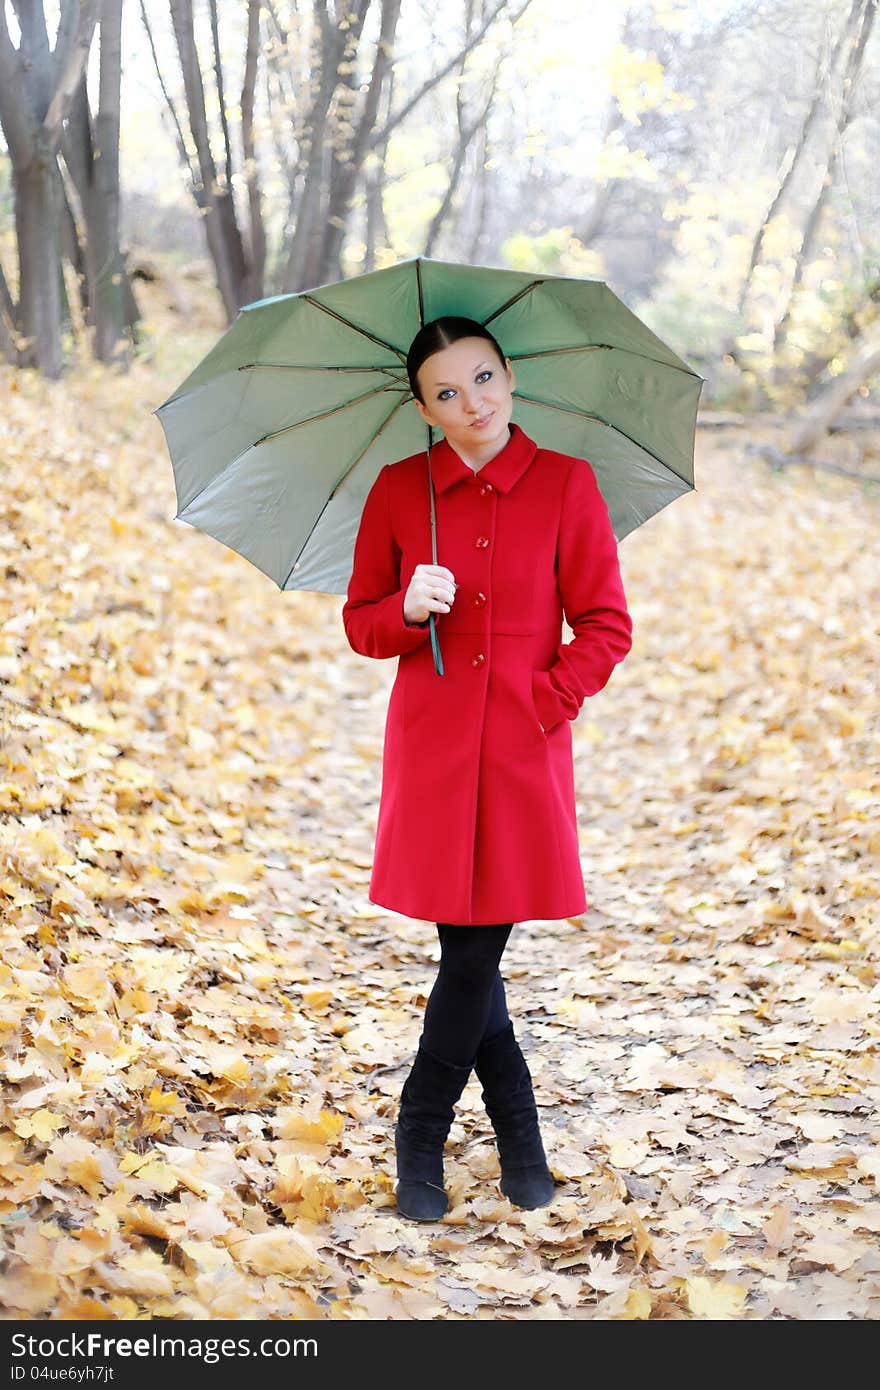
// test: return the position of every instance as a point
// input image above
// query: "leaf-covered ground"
(205, 1024)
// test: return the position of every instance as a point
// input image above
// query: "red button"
(479, 600)
(487, 487)
(481, 542)
(478, 660)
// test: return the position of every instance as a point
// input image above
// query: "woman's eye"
(484, 376)
(445, 395)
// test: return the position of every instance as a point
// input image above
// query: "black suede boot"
(423, 1123)
(510, 1104)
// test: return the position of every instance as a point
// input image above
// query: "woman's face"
(468, 394)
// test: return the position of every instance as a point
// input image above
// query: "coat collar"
(502, 471)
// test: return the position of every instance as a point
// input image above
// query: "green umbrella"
(278, 434)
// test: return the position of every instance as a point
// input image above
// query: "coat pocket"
(538, 721)
(549, 710)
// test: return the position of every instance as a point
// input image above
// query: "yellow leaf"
(227, 1062)
(279, 1251)
(73, 1159)
(638, 1305)
(304, 1189)
(193, 899)
(88, 716)
(146, 1222)
(777, 1229)
(715, 1300)
(28, 1290)
(326, 1129)
(140, 1272)
(205, 1256)
(166, 1102)
(317, 998)
(88, 983)
(714, 1245)
(160, 1176)
(42, 1125)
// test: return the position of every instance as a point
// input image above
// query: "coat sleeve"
(372, 614)
(593, 601)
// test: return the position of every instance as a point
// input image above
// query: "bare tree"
(330, 73)
(468, 123)
(212, 188)
(343, 129)
(860, 32)
(827, 66)
(90, 148)
(37, 88)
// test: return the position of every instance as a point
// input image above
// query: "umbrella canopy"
(278, 434)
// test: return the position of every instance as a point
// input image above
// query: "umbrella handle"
(435, 645)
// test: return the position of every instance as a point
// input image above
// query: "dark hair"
(438, 334)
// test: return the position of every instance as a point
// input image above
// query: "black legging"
(467, 1001)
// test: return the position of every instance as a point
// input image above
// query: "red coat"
(477, 820)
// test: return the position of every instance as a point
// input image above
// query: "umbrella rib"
(555, 352)
(379, 432)
(333, 410)
(339, 481)
(566, 409)
(305, 367)
(355, 400)
(599, 347)
(585, 415)
(419, 290)
(316, 303)
(514, 300)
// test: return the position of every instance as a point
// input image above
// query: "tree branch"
(221, 98)
(69, 63)
(16, 116)
(395, 119)
(181, 141)
(251, 172)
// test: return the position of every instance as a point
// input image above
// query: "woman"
(477, 825)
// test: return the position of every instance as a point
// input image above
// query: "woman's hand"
(431, 590)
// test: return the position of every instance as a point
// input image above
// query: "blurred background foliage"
(711, 161)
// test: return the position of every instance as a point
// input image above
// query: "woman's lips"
(483, 421)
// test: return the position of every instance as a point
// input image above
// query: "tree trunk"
(213, 195)
(72, 248)
(375, 222)
(94, 172)
(809, 235)
(8, 322)
(107, 271)
(850, 30)
(38, 266)
(825, 410)
(467, 129)
(349, 134)
(303, 259)
(366, 135)
(253, 287)
(481, 218)
(130, 305)
(36, 89)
